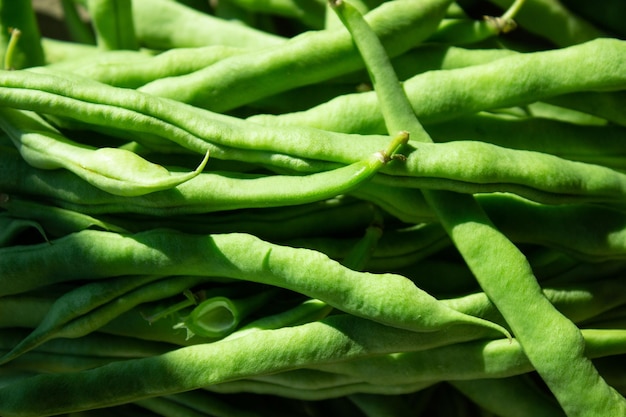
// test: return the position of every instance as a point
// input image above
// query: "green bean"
(438, 96)
(578, 302)
(467, 31)
(163, 24)
(308, 311)
(266, 388)
(68, 314)
(242, 79)
(473, 233)
(229, 191)
(338, 338)
(132, 70)
(605, 183)
(46, 362)
(341, 216)
(17, 19)
(601, 145)
(593, 233)
(236, 256)
(32, 308)
(115, 171)
(544, 110)
(464, 361)
(113, 24)
(311, 309)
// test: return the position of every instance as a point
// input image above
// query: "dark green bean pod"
(236, 256)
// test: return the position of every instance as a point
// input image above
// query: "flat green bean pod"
(493, 169)
(113, 170)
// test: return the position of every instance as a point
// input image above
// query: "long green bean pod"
(392, 299)
(559, 360)
(113, 170)
(437, 96)
(242, 79)
(113, 24)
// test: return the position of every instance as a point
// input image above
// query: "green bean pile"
(301, 208)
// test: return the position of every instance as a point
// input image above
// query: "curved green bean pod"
(604, 105)
(219, 316)
(73, 306)
(134, 70)
(267, 388)
(246, 192)
(601, 145)
(113, 170)
(465, 361)
(337, 338)
(484, 173)
(438, 96)
(474, 234)
(306, 59)
(391, 299)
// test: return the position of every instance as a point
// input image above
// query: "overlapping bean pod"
(100, 293)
